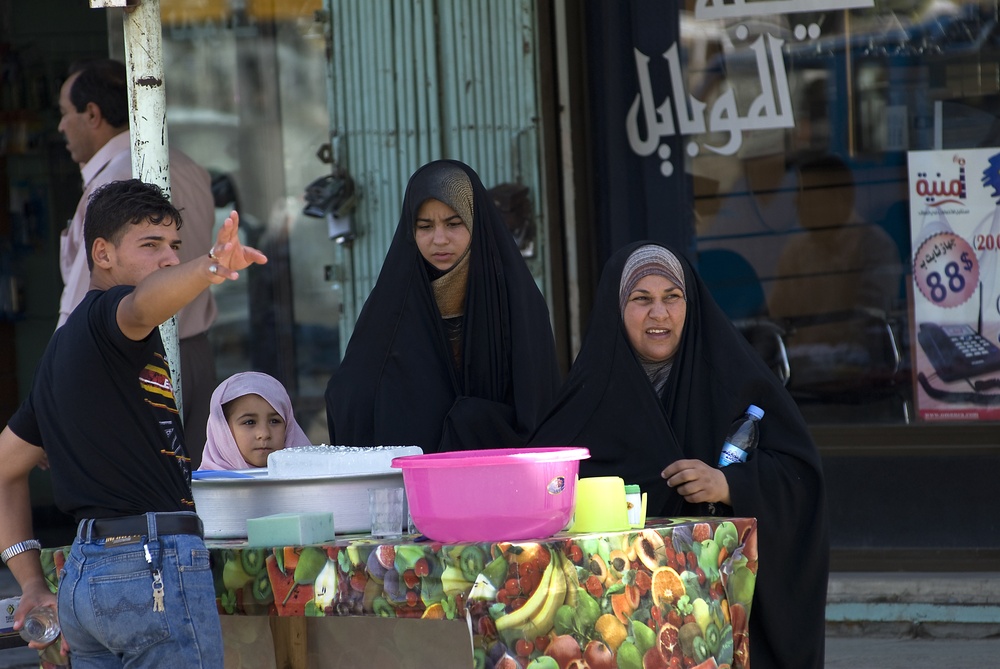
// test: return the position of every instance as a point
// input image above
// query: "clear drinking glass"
(386, 508)
(41, 624)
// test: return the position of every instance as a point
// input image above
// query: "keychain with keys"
(157, 591)
(157, 581)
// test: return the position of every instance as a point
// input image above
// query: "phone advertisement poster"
(955, 235)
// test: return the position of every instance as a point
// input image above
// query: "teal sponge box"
(290, 529)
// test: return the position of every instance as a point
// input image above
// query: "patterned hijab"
(651, 260)
(221, 451)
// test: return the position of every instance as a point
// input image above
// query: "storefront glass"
(797, 127)
(803, 153)
(271, 97)
(247, 98)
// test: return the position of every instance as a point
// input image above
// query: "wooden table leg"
(290, 648)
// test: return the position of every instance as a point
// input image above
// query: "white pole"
(148, 125)
(568, 120)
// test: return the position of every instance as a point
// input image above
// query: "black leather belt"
(166, 523)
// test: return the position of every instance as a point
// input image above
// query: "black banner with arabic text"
(635, 197)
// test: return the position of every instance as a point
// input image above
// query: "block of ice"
(327, 460)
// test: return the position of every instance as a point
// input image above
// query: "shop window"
(819, 207)
(247, 98)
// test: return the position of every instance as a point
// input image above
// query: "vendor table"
(675, 594)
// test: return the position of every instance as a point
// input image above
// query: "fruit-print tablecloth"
(674, 595)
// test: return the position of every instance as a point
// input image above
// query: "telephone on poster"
(957, 351)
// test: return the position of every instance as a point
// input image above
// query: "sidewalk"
(913, 620)
(910, 653)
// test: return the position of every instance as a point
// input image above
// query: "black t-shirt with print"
(102, 406)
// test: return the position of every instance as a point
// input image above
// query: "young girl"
(250, 417)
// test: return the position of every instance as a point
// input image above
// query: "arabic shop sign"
(728, 9)
(678, 112)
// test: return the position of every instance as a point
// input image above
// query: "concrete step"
(962, 605)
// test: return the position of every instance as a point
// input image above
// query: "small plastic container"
(633, 502)
(600, 505)
(504, 494)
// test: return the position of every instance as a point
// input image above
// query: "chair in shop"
(736, 288)
(845, 357)
(849, 357)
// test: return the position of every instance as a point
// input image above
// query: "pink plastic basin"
(504, 494)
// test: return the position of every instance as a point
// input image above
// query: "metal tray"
(224, 504)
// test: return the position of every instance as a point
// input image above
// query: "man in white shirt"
(93, 103)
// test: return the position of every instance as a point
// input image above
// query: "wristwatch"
(20, 547)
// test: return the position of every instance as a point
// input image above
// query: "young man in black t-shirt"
(137, 588)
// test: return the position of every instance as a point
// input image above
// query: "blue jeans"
(106, 603)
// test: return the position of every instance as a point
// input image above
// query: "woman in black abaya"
(660, 377)
(453, 349)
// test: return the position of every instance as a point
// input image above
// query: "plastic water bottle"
(41, 624)
(742, 437)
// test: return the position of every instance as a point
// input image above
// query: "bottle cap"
(632, 489)
(755, 411)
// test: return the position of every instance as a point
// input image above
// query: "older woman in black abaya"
(453, 348)
(660, 377)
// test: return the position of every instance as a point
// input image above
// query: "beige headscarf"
(451, 185)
